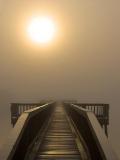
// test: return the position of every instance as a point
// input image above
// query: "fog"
(81, 63)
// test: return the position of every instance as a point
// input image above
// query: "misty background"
(81, 63)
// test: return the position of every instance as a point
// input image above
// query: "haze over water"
(81, 63)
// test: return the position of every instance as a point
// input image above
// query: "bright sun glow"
(41, 29)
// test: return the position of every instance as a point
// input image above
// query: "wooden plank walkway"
(59, 141)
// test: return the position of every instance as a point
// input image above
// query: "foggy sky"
(81, 63)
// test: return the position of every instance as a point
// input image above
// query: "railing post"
(106, 130)
(14, 113)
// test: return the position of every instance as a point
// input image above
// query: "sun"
(41, 29)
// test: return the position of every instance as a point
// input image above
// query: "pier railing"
(89, 128)
(100, 110)
(18, 108)
(24, 132)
